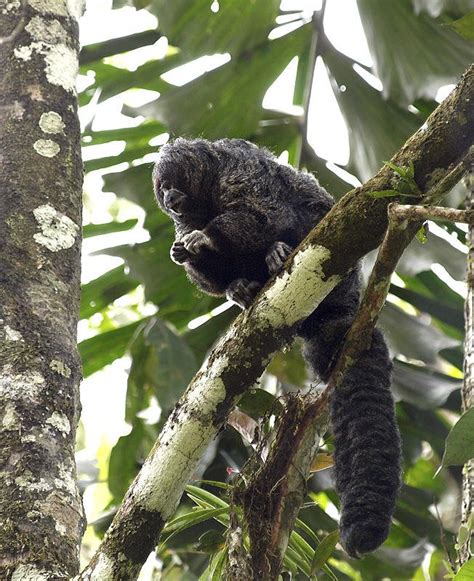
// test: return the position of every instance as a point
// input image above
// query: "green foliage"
(460, 441)
(414, 53)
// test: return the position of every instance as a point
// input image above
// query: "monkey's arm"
(242, 231)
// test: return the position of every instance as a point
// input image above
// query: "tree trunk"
(40, 240)
(466, 532)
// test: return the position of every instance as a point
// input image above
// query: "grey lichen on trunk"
(40, 239)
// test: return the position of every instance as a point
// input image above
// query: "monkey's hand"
(178, 253)
(243, 291)
(197, 241)
(277, 256)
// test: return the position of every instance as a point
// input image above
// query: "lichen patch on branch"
(51, 122)
(60, 422)
(62, 67)
(57, 7)
(20, 385)
(46, 147)
(30, 573)
(58, 232)
(295, 288)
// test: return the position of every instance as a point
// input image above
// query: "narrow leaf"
(324, 551)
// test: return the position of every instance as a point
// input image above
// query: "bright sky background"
(103, 394)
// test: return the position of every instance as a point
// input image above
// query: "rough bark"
(41, 512)
(465, 538)
(354, 227)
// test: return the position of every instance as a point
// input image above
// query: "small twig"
(406, 212)
(18, 28)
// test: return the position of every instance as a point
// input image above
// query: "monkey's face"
(183, 178)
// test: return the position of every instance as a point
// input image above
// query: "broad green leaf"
(421, 387)
(430, 285)
(114, 80)
(324, 550)
(99, 351)
(464, 26)
(128, 154)
(418, 258)
(103, 290)
(421, 475)
(413, 53)
(336, 186)
(197, 30)
(460, 441)
(107, 228)
(258, 402)
(139, 135)
(377, 127)
(202, 337)
(422, 425)
(411, 336)
(289, 366)
(162, 366)
(135, 185)
(466, 572)
(435, 7)
(124, 460)
(165, 282)
(227, 101)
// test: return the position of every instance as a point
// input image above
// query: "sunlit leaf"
(466, 572)
(107, 228)
(411, 336)
(464, 26)
(460, 441)
(422, 387)
(413, 53)
(197, 29)
(226, 102)
(103, 290)
(377, 127)
(99, 351)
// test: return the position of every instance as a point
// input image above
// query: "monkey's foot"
(196, 241)
(243, 291)
(277, 256)
(178, 253)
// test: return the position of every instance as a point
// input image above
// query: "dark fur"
(238, 214)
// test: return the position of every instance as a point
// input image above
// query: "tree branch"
(277, 489)
(314, 269)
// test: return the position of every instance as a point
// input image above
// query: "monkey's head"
(184, 178)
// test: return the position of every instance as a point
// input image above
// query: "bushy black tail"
(366, 437)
